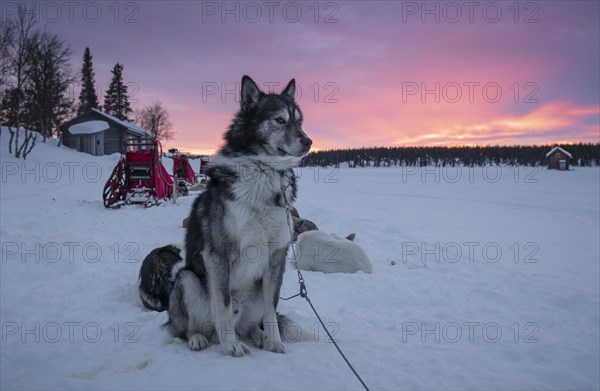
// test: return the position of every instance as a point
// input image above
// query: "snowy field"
(483, 279)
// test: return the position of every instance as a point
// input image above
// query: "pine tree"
(116, 101)
(87, 97)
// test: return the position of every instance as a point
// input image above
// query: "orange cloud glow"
(532, 127)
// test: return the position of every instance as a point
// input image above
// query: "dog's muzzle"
(306, 143)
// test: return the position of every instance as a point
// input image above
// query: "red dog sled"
(139, 177)
(183, 173)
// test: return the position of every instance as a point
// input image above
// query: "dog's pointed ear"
(290, 89)
(250, 93)
(351, 237)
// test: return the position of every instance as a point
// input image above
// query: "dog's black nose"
(306, 142)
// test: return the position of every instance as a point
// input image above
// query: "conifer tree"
(116, 101)
(87, 97)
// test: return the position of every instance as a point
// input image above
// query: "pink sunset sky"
(371, 73)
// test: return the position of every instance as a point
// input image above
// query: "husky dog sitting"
(238, 233)
(157, 276)
(319, 251)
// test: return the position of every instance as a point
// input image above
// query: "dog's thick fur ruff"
(238, 235)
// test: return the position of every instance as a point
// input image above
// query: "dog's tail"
(293, 332)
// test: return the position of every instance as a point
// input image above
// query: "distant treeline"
(583, 155)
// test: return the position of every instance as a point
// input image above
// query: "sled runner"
(139, 177)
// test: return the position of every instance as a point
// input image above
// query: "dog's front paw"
(197, 342)
(235, 349)
(275, 347)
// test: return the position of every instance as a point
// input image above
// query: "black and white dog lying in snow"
(238, 235)
(157, 276)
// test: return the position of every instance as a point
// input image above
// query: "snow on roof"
(557, 148)
(88, 127)
(133, 128)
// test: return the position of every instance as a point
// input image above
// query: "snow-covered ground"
(479, 282)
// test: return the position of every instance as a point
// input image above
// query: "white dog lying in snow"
(319, 251)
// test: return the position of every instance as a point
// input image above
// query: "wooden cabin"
(558, 159)
(98, 133)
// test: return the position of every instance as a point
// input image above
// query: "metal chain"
(303, 292)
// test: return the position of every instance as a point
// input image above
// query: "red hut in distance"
(558, 159)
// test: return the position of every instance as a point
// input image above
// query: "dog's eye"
(280, 120)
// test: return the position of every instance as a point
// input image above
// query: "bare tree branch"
(155, 119)
(7, 36)
(18, 55)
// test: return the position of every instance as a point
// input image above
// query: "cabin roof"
(558, 149)
(133, 128)
(92, 124)
(89, 127)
